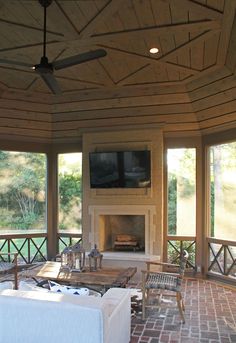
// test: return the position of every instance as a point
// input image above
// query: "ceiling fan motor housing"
(44, 67)
(45, 3)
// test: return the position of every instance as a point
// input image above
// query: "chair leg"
(16, 271)
(16, 277)
(159, 298)
(180, 303)
(143, 303)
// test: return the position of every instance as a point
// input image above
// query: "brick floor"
(210, 314)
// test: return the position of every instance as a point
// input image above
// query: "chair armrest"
(14, 265)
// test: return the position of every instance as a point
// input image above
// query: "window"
(181, 164)
(223, 190)
(70, 192)
(22, 192)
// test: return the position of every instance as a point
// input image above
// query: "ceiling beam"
(25, 47)
(111, 7)
(205, 74)
(196, 7)
(62, 20)
(202, 37)
(126, 78)
(231, 52)
(129, 34)
(163, 30)
(174, 67)
(227, 24)
(24, 28)
(83, 82)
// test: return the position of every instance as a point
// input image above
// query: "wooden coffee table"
(104, 278)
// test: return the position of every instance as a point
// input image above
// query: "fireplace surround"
(104, 235)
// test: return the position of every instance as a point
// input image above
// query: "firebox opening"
(122, 233)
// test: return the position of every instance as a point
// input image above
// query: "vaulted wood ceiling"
(188, 86)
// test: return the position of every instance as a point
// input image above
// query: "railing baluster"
(8, 248)
(13, 243)
(225, 259)
(183, 243)
(226, 262)
(29, 250)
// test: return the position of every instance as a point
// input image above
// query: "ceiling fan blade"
(16, 63)
(77, 59)
(51, 82)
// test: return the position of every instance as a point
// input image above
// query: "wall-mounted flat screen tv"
(120, 169)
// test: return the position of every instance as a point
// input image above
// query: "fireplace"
(120, 232)
(108, 222)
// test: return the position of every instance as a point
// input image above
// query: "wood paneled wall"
(201, 108)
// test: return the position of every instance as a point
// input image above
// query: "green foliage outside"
(175, 247)
(186, 189)
(212, 208)
(181, 182)
(70, 199)
(222, 191)
(23, 192)
(70, 192)
(223, 187)
(172, 204)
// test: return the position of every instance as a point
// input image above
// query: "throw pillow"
(57, 288)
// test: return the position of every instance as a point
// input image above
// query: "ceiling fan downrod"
(45, 4)
(44, 66)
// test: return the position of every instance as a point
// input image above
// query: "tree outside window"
(181, 164)
(70, 192)
(22, 192)
(223, 191)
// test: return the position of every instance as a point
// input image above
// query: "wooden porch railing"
(175, 247)
(32, 247)
(65, 239)
(222, 259)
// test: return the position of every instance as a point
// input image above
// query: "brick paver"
(210, 317)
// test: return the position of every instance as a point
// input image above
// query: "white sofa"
(31, 316)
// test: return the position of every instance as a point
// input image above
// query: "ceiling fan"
(46, 69)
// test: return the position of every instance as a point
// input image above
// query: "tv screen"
(120, 169)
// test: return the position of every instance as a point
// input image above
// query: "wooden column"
(52, 204)
(200, 200)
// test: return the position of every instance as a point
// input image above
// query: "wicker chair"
(162, 281)
(7, 267)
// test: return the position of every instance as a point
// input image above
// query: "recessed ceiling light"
(154, 50)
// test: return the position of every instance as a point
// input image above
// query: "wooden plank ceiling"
(195, 64)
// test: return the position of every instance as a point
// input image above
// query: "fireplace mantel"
(148, 211)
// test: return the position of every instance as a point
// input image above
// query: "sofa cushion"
(49, 317)
(26, 286)
(6, 285)
(56, 317)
